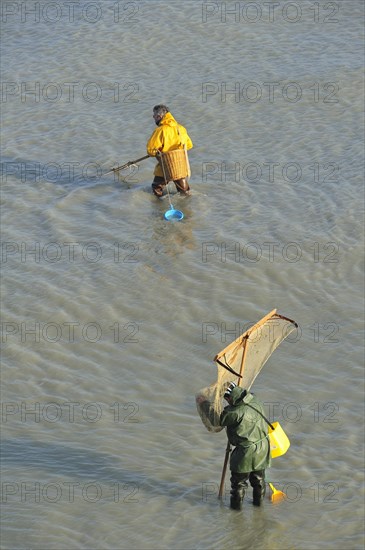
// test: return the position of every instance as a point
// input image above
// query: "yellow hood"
(168, 135)
(168, 120)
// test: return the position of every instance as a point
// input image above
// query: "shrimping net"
(241, 361)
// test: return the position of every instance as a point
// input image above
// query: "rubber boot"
(238, 486)
(182, 186)
(257, 480)
(237, 498)
(236, 503)
(158, 186)
(257, 496)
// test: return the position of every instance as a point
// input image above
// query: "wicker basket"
(175, 164)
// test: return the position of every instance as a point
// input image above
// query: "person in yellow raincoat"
(168, 135)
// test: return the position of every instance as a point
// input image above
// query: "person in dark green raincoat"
(247, 431)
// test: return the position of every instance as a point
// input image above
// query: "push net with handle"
(241, 361)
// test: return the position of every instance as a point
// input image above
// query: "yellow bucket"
(279, 442)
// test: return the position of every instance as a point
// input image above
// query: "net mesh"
(241, 361)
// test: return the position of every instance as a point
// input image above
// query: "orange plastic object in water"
(277, 495)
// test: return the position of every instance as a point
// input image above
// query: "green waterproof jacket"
(247, 431)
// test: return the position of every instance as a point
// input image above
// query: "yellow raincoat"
(168, 135)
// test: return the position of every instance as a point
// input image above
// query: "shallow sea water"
(111, 316)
